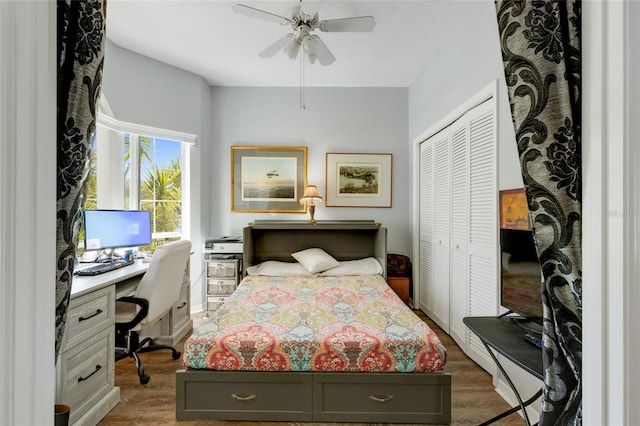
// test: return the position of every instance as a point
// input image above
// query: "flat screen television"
(520, 272)
(114, 229)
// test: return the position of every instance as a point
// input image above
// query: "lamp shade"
(310, 195)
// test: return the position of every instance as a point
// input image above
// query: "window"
(136, 167)
(153, 181)
(92, 181)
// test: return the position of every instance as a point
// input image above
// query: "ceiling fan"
(302, 36)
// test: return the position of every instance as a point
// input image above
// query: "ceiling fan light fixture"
(302, 24)
(311, 57)
(292, 48)
(309, 44)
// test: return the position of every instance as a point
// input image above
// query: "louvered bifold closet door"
(433, 274)
(425, 264)
(459, 306)
(483, 223)
(441, 202)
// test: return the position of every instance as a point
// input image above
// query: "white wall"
(632, 343)
(144, 91)
(611, 206)
(27, 211)
(367, 120)
(466, 64)
(469, 60)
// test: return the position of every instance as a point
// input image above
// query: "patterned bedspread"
(349, 323)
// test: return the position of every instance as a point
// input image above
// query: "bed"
(328, 346)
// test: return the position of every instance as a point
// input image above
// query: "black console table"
(504, 335)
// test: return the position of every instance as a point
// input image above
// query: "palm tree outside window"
(138, 172)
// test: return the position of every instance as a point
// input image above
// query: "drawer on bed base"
(227, 395)
(382, 397)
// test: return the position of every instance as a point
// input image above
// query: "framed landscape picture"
(268, 178)
(358, 180)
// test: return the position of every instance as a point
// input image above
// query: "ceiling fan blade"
(296, 11)
(242, 9)
(356, 24)
(276, 46)
(322, 52)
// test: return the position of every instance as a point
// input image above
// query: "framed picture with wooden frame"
(268, 179)
(514, 210)
(358, 180)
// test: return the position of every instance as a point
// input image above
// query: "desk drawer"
(180, 311)
(187, 273)
(86, 373)
(87, 314)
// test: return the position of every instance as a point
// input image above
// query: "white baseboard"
(504, 390)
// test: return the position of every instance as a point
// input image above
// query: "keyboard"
(101, 268)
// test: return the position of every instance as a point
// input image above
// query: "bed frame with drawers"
(313, 396)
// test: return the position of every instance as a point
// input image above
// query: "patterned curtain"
(81, 31)
(540, 41)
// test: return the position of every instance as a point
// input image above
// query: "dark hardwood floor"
(473, 398)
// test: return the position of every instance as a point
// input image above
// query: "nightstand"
(401, 286)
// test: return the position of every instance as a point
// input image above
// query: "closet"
(458, 226)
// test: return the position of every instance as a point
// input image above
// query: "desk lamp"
(309, 198)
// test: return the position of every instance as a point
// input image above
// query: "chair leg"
(134, 347)
(151, 346)
(146, 341)
(144, 378)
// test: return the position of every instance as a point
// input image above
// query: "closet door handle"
(98, 312)
(381, 398)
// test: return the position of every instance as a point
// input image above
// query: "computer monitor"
(113, 229)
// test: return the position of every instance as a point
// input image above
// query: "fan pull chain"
(302, 102)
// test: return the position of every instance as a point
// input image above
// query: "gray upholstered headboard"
(344, 240)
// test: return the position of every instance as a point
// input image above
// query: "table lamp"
(309, 198)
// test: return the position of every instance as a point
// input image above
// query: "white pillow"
(365, 266)
(274, 268)
(315, 260)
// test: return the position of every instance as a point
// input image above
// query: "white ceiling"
(207, 38)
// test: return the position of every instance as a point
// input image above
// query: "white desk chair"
(157, 292)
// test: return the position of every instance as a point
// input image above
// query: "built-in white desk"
(123, 278)
(85, 369)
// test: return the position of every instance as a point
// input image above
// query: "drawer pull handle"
(82, 379)
(182, 306)
(381, 398)
(98, 312)
(242, 398)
